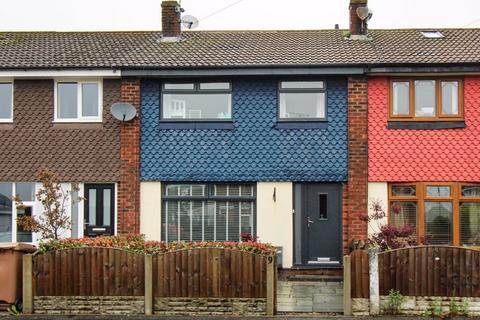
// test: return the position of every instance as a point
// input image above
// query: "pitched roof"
(234, 49)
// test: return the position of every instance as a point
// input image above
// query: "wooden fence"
(430, 271)
(188, 273)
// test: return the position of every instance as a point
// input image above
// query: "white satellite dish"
(123, 111)
(189, 22)
(363, 12)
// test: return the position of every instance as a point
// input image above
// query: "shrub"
(137, 243)
(394, 302)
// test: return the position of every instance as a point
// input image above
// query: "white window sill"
(77, 121)
(6, 120)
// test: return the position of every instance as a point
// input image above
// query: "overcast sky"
(74, 15)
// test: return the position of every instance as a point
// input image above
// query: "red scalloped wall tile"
(423, 155)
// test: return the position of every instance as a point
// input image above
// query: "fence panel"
(88, 272)
(210, 272)
(429, 271)
(360, 274)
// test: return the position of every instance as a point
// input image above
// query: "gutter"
(59, 73)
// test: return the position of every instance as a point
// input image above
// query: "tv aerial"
(123, 111)
(189, 22)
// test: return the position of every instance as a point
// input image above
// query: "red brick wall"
(129, 186)
(170, 19)
(423, 155)
(355, 197)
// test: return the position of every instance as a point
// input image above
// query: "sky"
(101, 15)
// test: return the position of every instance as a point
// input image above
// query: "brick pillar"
(129, 186)
(356, 188)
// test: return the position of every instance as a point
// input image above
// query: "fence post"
(347, 286)
(374, 288)
(271, 265)
(148, 285)
(27, 279)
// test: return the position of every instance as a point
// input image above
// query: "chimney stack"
(171, 16)
(357, 26)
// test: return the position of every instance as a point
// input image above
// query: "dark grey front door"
(318, 218)
(99, 209)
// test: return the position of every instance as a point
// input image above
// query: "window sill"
(426, 125)
(77, 125)
(179, 125)
(301, 125)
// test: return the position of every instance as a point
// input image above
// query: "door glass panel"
(6, 212)
(322, 205)
(92, 207)
(23, 235)
(107, 207)
(438, 222)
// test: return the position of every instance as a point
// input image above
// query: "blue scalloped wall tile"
(254, 150)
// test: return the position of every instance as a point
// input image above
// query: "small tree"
(54, 217)
(387, 236)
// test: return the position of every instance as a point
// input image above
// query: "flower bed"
(137, 243)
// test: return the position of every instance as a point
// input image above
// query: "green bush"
(137, 243)
(394, 302)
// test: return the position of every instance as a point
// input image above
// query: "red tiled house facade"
(423, 164)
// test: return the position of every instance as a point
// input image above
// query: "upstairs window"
(302, 100)
(78, 101)
(6, 102)
(426, 99)
(211, 101)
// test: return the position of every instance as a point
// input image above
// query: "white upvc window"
(78, 101)
(6, 101)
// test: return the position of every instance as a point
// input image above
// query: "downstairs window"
(207, 212)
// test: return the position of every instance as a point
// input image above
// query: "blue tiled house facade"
(255, 150)
(278, 179)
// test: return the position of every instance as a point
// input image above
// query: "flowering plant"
(137, 243)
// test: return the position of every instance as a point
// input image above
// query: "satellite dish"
(370, 14)
(363, 12)
(189, 22)
(123, 111)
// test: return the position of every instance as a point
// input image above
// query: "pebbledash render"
(282, 135)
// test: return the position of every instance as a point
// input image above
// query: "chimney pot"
(171, 16)
(357, 26)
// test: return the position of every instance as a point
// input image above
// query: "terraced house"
(281, 135)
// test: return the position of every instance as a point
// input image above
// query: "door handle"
(309, 222)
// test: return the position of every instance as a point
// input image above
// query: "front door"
(99, 209)
(318, 218)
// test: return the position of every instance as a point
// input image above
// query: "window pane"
(302, 85)
(178, 86)
(170, 221)
(404, 214)
(438, 191)
(438, 222)
(92, 207)
(407, 191)
(197, 106)
(233, 221)
(302, 105)
(172, 190)
(470, 223)
(107, 208)
(401, 98)
(25, 190)
(471, 191)
(220, 190)
(90, 100)
(215, 86)
(67, 101)
(23, 235)
(450, 97)
(74, 201)
(6, 210)
(209, 221)
(247, 209)
(184, 216)
(247, 190)
(198, 208)
(425, 98)
(221, 219)
(6, 100)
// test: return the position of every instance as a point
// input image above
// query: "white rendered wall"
(150, 210)
(377, 191)
(274, 218)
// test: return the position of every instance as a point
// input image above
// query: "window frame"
(196, 90)
(79, 118)
(209, 197)
(323, 90)
(438, 100)
(421, 197)
(12, 82)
